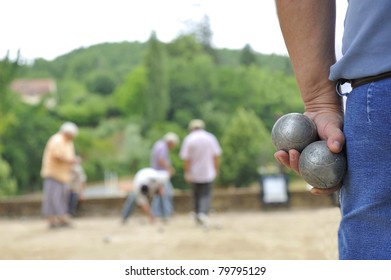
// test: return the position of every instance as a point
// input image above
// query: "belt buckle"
(338, 87)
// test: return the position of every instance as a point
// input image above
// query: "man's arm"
(308, 27)
(167, 166)
(147, 210)
(216, 162)
(186, 169)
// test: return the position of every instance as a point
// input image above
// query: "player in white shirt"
(146, 183)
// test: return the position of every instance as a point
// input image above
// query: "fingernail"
(337, 145)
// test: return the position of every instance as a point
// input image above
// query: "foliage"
(134, 149)
(101, 82)
(204, 35)
(8, 70)
(24, 143)
(156, 93)
(70, 91)
(185, 47)
(246, 145)
(248, 56)
(120, 58)
(87, 111)
(125, 96)
(7, 183)
(191, 84)
(129, 97)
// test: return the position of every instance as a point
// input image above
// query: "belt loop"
(338, 88)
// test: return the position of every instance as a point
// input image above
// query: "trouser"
(364, 231)
(129, 206)
(73, 203)
(162, 206)
(202, 196)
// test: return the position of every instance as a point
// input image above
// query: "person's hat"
(171, 137)
(69, 128)
(196, 124)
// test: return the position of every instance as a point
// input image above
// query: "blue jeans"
(129, 206)
(162, 206)
(73, 203)
(365, 228)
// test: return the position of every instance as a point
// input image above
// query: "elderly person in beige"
(58, 160)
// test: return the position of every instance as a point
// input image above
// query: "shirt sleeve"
(184, 152)
(216, 147)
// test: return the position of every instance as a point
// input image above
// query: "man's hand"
(329, 125)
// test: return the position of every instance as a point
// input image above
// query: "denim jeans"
(129, 205)
(365, 228)
(162, 206)
(73, 203)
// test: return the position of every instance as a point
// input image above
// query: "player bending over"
(146, 183)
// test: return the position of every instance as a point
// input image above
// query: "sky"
(50, 28)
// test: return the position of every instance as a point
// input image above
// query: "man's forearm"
(186, 165)
(216, 162)
(308, 27)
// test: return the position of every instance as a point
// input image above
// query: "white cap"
(69, 128)
(196, 124)
(171, 137)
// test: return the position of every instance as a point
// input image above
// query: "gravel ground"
(295, 234)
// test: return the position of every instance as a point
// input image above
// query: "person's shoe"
(65, 225)
(53, 226)
(203, 219)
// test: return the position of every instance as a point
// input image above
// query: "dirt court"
(295, 234)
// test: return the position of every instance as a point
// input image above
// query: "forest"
(124, 96)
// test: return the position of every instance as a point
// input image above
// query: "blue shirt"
(160, 151)
(366, 43)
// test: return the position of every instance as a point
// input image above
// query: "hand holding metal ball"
(318, 166)
(293, 131)
(321, 168)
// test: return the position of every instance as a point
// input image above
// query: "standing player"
(201, 155)
(160, 160)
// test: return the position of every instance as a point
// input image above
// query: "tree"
(156, 94)
(102, 83)
(192, 82)
(8, 70)
(25, 141)
(246, 145)
(247, 56)
(205, 35)
(185, 47)
(7, 183)
(134, 149)
(7, 119)
(129, 97)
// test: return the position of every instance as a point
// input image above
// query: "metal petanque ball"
(293, 131)
(321, 168)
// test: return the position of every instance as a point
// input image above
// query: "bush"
(246, 145)
(7, 183)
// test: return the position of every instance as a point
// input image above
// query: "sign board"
(274, 189)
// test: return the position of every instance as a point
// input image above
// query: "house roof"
(33, 90)
(34, 86)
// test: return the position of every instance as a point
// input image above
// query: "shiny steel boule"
(321, 168)
(293, 131)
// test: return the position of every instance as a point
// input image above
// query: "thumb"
(335, 140)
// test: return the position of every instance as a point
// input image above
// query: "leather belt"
(362, 81)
